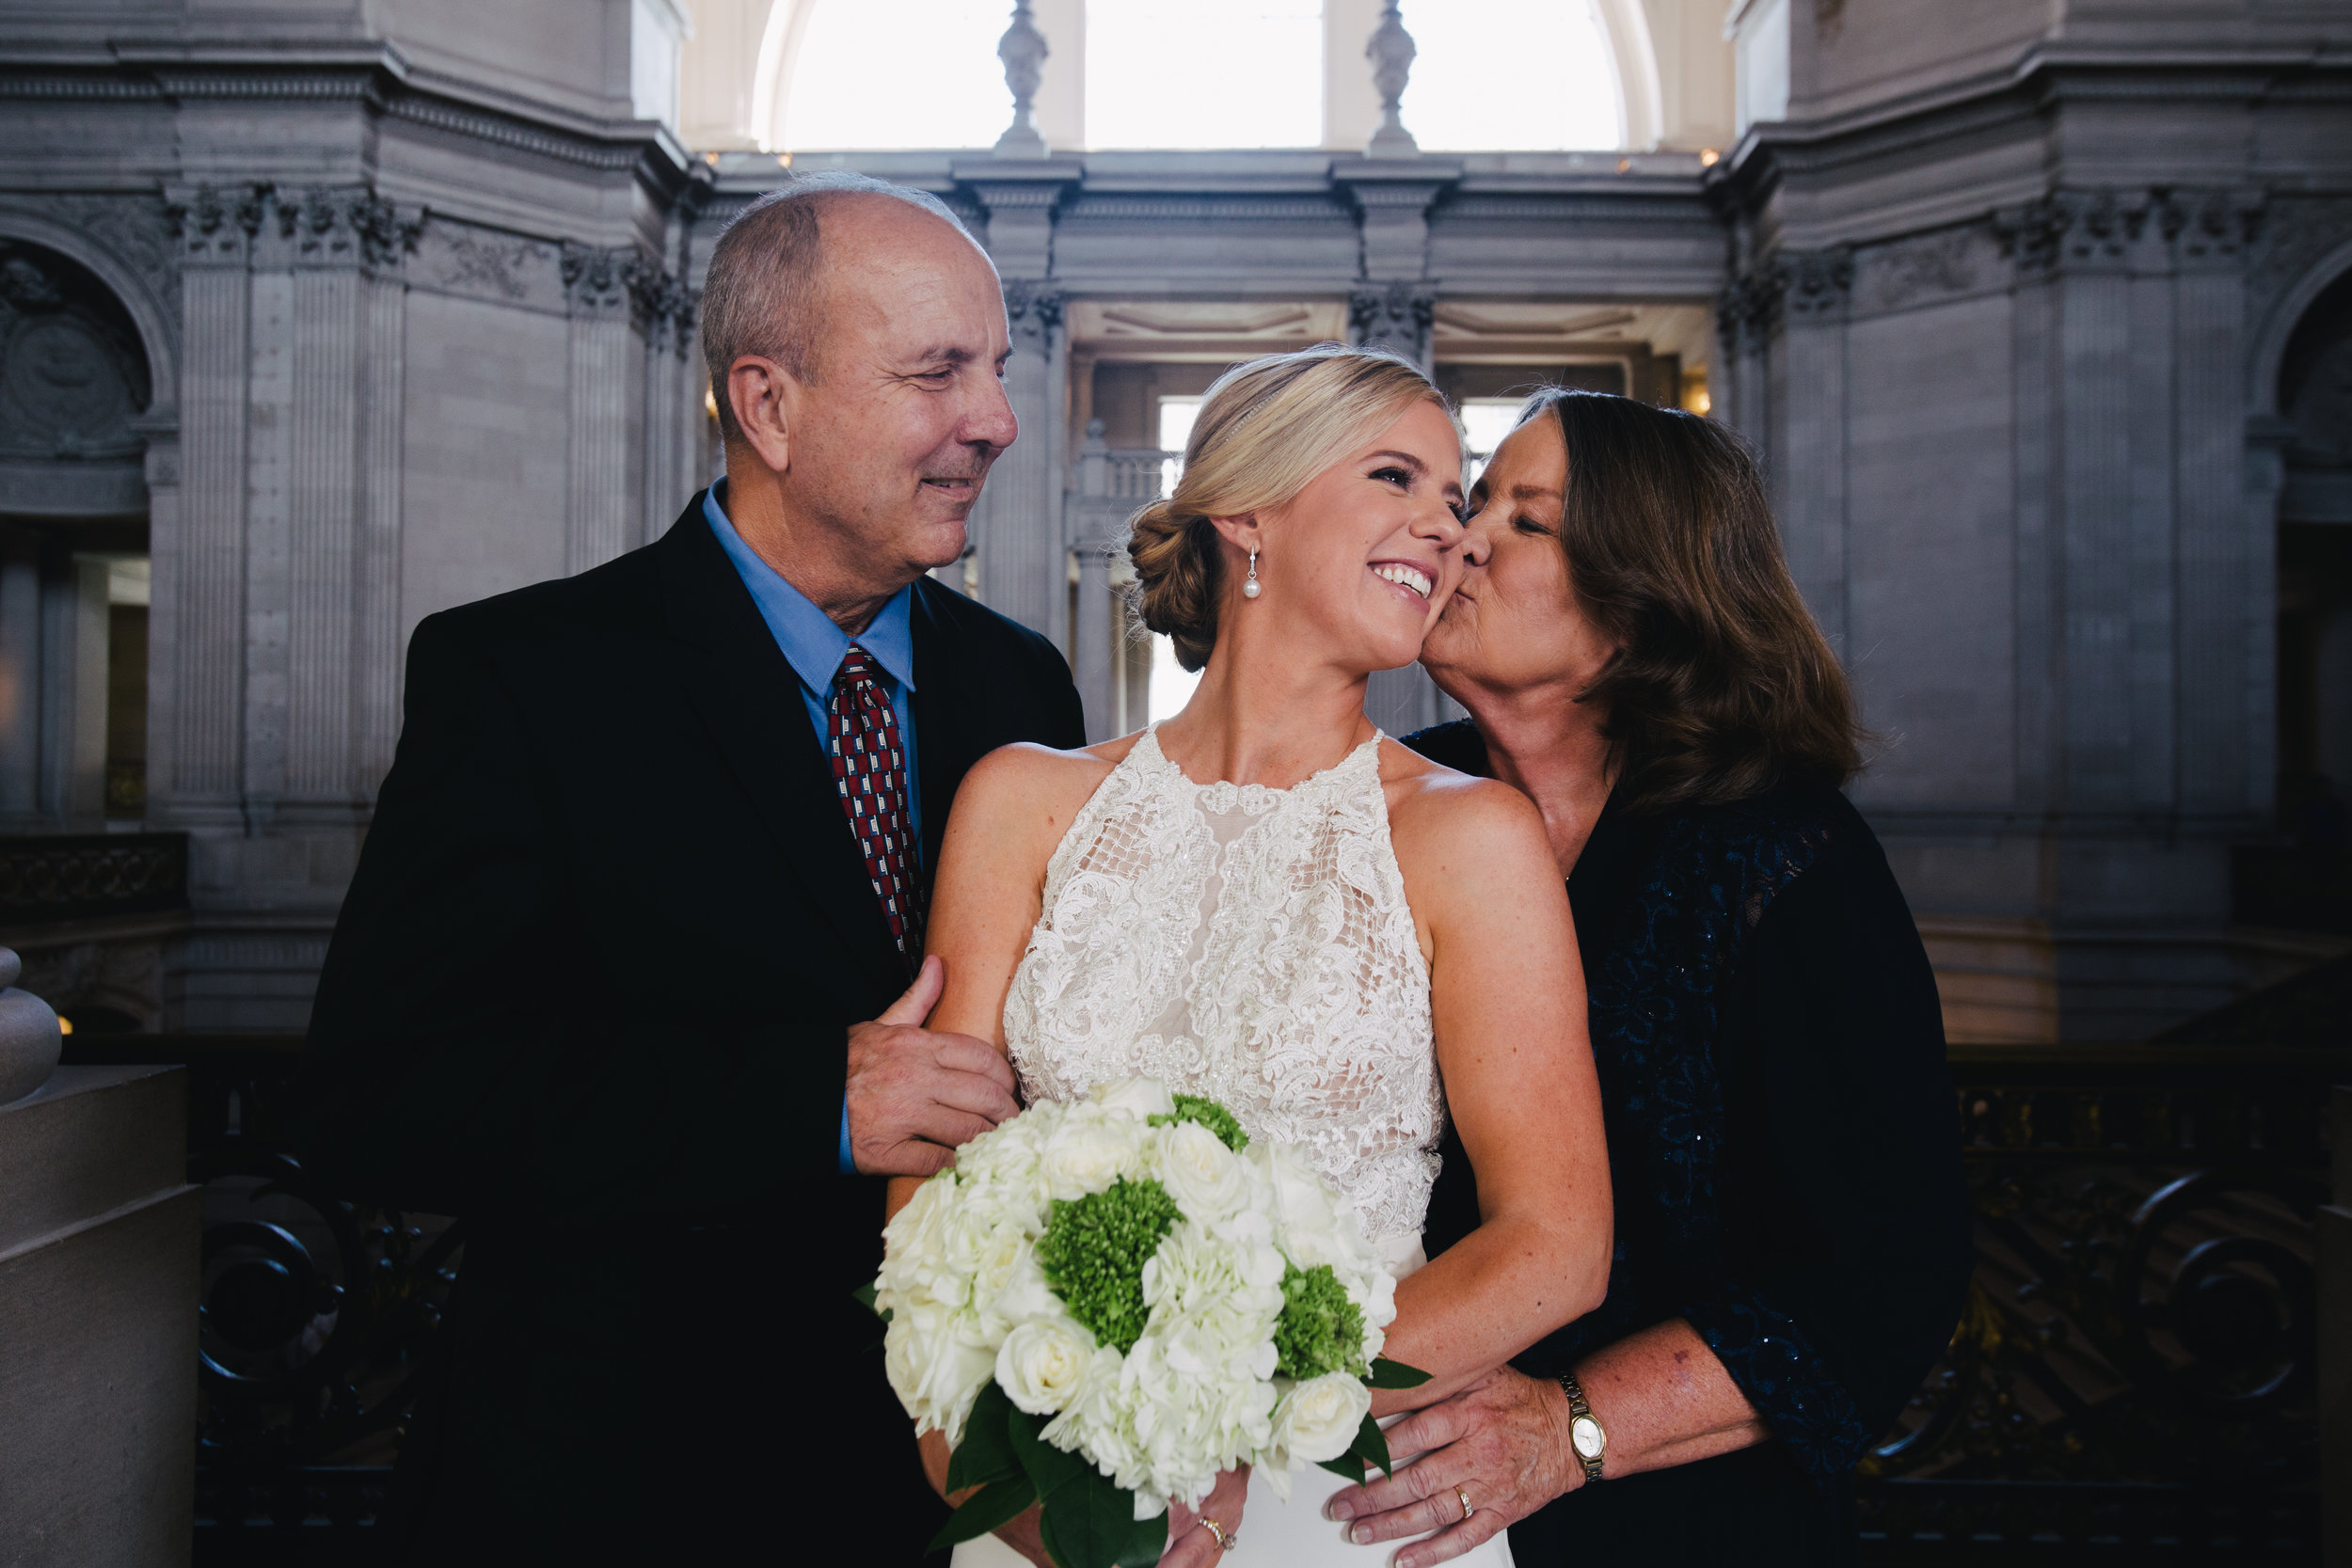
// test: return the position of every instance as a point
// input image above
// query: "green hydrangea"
(1094, 1252)
(1321, 1330)
(1209, 1114)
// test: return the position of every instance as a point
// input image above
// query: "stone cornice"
(2043, 77)
(375, 76)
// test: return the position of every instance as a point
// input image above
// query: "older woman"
(1791, 1231)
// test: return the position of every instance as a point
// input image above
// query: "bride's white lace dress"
(1254, 945)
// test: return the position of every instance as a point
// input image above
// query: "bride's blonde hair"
(1265, 430)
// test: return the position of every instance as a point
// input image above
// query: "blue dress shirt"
(814, 647)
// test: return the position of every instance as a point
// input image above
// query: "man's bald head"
(764, 291)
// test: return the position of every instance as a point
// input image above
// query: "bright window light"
(1484, 422)
(1171, 683)
(1496, 74)
(1202, 73)
(874, 75)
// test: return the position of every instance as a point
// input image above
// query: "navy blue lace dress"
(1785, 1150)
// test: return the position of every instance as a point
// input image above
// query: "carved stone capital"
(1813, 284)
(1395, 315)
(600, 280)
(352, 227)
(217, 225)
(1034, 312)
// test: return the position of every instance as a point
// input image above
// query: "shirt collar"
(810, 641)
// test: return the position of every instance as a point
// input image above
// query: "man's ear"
(755, 391)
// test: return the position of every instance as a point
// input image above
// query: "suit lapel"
(749, 699)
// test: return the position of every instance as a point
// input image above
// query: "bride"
(1266, 900)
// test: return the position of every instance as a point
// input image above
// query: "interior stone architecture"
(318, 316)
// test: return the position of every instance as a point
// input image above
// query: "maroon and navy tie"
(869, 770)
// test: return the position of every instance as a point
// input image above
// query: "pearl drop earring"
(1249, 590)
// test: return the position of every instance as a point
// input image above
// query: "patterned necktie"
(869, 770)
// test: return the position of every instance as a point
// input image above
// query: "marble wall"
(2003, 295)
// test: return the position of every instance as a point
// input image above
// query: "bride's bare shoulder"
(1441, 817)
(1031, 781)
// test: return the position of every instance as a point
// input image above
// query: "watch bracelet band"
(1579, 1409)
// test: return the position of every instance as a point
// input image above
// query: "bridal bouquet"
(1107, 1302)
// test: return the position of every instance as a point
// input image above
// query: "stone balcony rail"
(81, 875)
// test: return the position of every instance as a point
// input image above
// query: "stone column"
(2094, 488)
(1091, 527)
(72, 693)
(329, 350)
(20, 673)
(599, 496)
(196, 627)
(376, 652)
(1809, 431)
(2029, 236)
(1023, 570)
(1397, 315)
(2224, 624)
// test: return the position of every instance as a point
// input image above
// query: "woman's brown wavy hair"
(1723, 687)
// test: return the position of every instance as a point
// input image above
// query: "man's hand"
(913, 1096)
(1503, 1440)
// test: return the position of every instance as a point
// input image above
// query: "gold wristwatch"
(1585, 1433)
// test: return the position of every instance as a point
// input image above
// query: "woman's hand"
(1503, 1440)
(1190, 1545)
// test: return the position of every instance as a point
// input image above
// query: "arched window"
(1204, 73)
(1511, 74)
(875, 74)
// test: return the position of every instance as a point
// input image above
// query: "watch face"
(1586, 1434)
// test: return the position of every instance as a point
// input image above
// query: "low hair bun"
(1177, 570)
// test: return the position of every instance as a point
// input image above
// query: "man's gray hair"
(762, 296)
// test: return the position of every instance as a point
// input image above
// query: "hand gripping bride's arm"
(1507, 992)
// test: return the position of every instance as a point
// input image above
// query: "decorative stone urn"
(30, 1040)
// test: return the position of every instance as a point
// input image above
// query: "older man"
(615, 980)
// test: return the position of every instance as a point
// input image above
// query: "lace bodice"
(1250, 944)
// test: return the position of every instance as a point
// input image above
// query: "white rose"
(1042, 1364)
(1318, 1419)
(1310, 1223)
(1140, 1098)
(1206, 1178)
(933, 1368)
(1085, 1154)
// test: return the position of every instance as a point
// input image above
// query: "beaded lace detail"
(1251, 945)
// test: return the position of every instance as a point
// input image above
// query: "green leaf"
(864, 1294)
(1372, 1446)
(1047, 1467)
(1347, 1467)
(986, 1453)
(1089, 1522)
(1394, 1374)
(998, 1503)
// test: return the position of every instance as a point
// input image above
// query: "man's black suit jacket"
(590, 993)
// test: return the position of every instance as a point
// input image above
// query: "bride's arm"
(1009, 813)
(1507, 992)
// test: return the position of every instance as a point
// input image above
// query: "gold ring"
(1467, 1510)
(1224, 1542)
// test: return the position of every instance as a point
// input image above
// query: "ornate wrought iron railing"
(2133, 1369)
(2133, 1374)
(318, 1319)
(77, 876)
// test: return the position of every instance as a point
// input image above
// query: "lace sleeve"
(1786, 1377)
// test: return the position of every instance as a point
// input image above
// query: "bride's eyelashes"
(1401, 479)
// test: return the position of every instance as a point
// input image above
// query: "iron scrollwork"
(2135, 1360)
